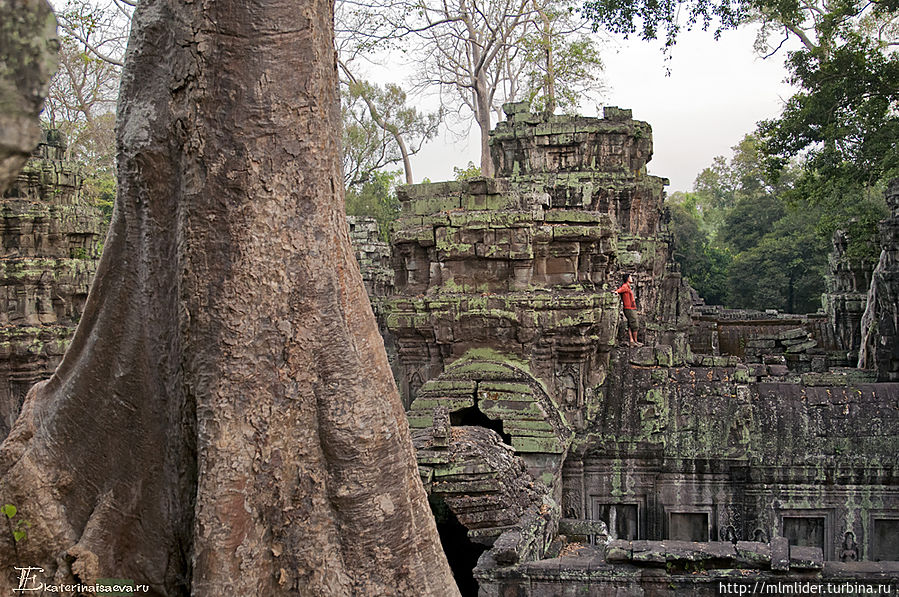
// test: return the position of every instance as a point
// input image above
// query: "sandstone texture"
(51, 235)
(880, 323)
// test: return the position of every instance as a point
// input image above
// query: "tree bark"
(225, 421)
(549, 83)
(482, 117)
(29, 42)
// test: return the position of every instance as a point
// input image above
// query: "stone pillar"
(847, 282)
(880, 323)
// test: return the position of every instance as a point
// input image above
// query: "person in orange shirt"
(630, 308)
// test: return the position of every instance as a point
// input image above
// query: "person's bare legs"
(633, 334)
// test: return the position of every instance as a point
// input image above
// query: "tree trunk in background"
(482, 117)
(225, 421)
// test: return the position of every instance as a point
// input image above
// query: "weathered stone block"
(664, 355)
(806, 558)
(792, 334)
(780, 554)
(741, 374)
(537, 444)
(823, 379)
(504, 386)
(451, 404)
(802, 347)
(642, 355)
(778, 370)
(753, 554)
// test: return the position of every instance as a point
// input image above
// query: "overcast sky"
(715, 94)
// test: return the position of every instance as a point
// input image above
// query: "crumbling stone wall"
(503, 313)
(524, 263)
(717, 330)
(847, 282)
(51, 237)
(677, 568)
(372, 255)
(727, 425)
(739, 448)
(880, 322)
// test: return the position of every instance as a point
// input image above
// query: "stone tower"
(51, 238)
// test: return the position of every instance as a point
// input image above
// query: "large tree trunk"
(225, 421)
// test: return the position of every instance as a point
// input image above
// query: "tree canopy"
(745, 238)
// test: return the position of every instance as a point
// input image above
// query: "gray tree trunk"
(225, 421)
(28, 48)
(482, 117)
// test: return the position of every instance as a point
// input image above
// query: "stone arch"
(503, 389)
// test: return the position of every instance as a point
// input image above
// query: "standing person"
(630, 308)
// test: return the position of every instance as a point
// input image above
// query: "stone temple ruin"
(51, 245)
(734, 446)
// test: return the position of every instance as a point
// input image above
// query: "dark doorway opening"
(460, 551)
(474, 417)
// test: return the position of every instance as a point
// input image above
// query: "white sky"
(715, 94)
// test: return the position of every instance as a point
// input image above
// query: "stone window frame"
(868, 542)
(826, 513)
(709, 511)
(638, 501)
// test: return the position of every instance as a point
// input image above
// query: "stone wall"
(717, 330)
(503, 314)
(372, 255)
(678, 568)
(728, 425)
(524, 263)
(880, 322)
(737, 451)
(51, 237)
(846, 282)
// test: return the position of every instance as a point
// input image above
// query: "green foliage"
(753, 217)
(846, 205)
(723, 185)
(784, 270)
(19, 528)
(703, 264)
(559, 61)
(748, 239)
(665, 18)
(841, 127)
(375, 121)
(100, 190)
(845, 115)
(375, 198)
(469, 172)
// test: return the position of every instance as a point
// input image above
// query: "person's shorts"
(632, 320)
